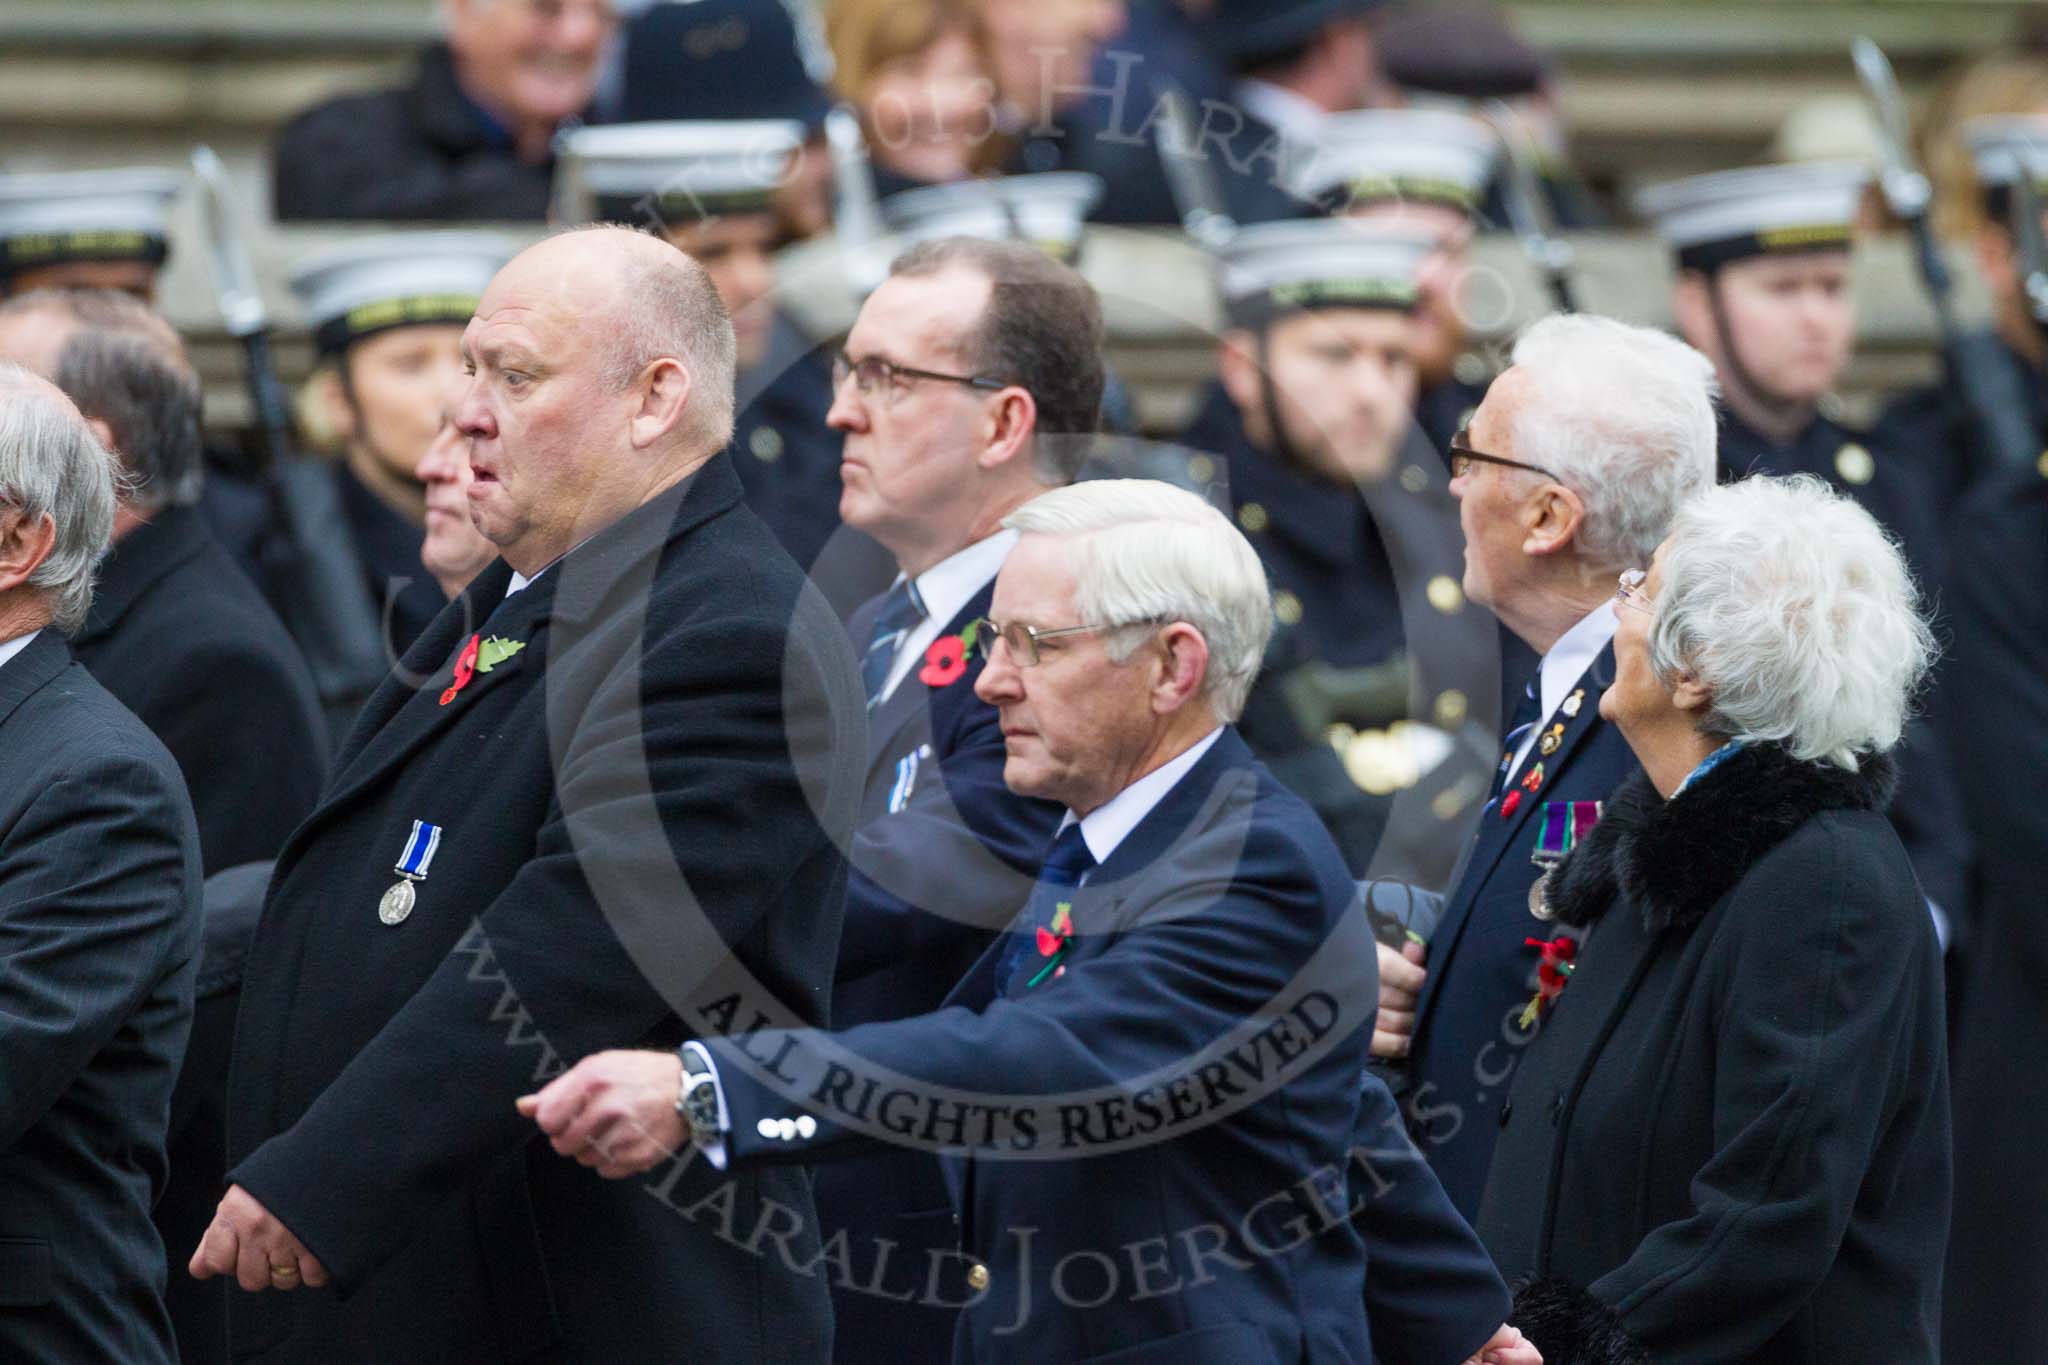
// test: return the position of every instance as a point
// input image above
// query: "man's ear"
(331, 409)
(1692, 310)
(1008, 431)
(661, 395)
(1551, 520)
(1237, 366)
(1993, 249)
(25, 542)
(102, 433)
(1184, 665)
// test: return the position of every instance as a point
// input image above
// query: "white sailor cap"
(1374, 156)
(354, 289)
(1272, 269)
(1047, 210)
(669, 174)
(56, 218)
(1999, 146)
(1709, 220)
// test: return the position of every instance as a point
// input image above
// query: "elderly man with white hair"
(1143, 1093)
(1569, 473)
(99, 924)
(1731, 1143)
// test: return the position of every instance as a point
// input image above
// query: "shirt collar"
(10, 648)
(1110, 823)
(948, 585)
(1574, 653)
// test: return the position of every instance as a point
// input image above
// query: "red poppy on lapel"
(944, 662)
(465, 669)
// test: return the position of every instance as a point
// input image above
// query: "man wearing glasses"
(970, 384)
(1567, 477)
(1120, 1181)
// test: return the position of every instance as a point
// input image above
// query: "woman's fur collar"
(1674, 859)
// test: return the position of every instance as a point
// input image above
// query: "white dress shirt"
(945, 588)
(1562, 668)
(1110, 823)
(10, 648)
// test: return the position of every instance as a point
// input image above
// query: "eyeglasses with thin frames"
(871, 374)
(1629, 592)
(1022, 640)
(1463, 455)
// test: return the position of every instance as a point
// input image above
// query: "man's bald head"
(638, 300)
(600, 373)
(125, 366)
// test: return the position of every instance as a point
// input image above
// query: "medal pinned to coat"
(420, 847)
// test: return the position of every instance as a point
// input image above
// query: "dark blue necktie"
(1065, 864)
(1519, 724)
(900, 612)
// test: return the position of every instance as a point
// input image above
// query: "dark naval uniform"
(1334, 602)
(1951, 447)
(1927, 812)
(1445, 408)
(1998, 689)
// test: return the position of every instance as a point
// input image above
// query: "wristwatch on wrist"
(697, 1099)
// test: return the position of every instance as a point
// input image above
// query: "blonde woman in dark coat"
(1730, 1140)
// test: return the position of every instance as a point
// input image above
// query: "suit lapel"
(420, 713)
(22, 676)
(913, 699)
(1497, 833)
(398, 719)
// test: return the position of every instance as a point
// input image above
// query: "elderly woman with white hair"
(1730, 1140)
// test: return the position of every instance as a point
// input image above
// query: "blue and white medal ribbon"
(420, 848)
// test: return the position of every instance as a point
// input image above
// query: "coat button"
(1507, 1111)
(1557, 1107)
(977, 1277)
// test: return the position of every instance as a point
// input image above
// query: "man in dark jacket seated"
(1144, 1093)
(471, 138)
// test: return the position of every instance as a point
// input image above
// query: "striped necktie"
(1524, 720)
(900, 612)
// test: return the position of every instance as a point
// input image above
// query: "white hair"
(52, 466)
(1146, 551)
(1624, 417)
(1789, 603)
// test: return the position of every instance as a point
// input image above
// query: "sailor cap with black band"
(1274, 269)
(1375, 156)
(1710, 220)
(1999, 146)
(67, 216)
(672, 174)
(1048, 210)
(402, 279)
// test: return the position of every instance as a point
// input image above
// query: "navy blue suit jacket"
(99, 944)
(1162, 1129)
(1481, 972)
(943, 856)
